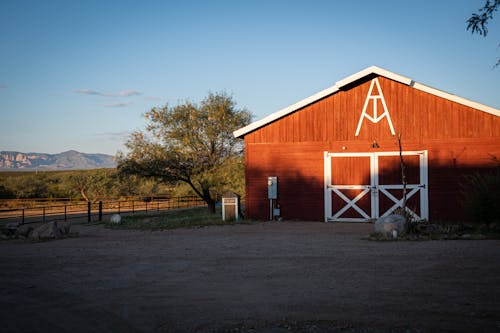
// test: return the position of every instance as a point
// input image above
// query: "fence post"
(23, 217)
(146, 206)
(100, 211)
(88, 211)
(118, 206)
(43, 210)
(157, 204)
(65, 216)
(133, 208)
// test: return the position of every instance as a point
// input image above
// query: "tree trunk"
(82, 192)
(211, 205)
(208, 199)
(204, 194)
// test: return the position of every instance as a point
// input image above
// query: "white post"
(328, 182)
(374, 186)
(424, 180)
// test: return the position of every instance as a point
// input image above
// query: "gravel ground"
(263, 277)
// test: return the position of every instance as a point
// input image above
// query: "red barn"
(336, 154)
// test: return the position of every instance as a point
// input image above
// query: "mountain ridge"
(68, 160)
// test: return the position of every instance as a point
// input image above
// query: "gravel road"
(263, 277)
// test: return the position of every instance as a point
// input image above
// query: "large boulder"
(391, 225)
(24, 230)
(46, 231)
(64, 227)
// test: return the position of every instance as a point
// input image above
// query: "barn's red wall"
(458, 138)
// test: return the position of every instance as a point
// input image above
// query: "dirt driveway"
(280, 277)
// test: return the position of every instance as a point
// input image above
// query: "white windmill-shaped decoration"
(374, 117)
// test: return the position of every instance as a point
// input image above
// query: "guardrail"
(95, 211)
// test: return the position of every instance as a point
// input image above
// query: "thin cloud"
(127, 93)
(121, 137)
(118, 105)
(153, 98)
(115, 135)
(3, 86)
(161, 99)
(121, 93)
(88, 92)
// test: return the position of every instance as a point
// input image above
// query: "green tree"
(91, 184)
(32, 186)
(188, 142)
(478, 22)
(6, 193)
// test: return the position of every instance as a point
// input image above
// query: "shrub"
(481, 192)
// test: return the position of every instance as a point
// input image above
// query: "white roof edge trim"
(457, 99)
(374, 70)
(350, 79)
(283, 112)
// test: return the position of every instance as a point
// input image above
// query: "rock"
(388, 224)
(479, 236)
(63, 227)
(12, 225)
(35, 234)
(23, 230)
(115, 218)
(46, 231)
(9, 229)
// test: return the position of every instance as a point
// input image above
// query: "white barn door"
(361, 187)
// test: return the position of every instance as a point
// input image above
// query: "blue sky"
(80, 74)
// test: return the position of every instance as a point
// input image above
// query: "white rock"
(388, 224)
(115, 218)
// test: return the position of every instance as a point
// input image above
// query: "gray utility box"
(230, 206)
(272, 187)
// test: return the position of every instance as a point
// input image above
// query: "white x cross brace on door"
(375, 189)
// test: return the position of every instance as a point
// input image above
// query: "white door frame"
(375, 188)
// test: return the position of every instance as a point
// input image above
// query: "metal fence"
(94, 211)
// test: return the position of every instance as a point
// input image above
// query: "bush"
(481, 192)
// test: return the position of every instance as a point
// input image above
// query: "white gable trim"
(350, 79)
(373, 70)
(457, 99)
(283, 112)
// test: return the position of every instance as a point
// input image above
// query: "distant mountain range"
(69, 160)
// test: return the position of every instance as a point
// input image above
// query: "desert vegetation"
(94, 185)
